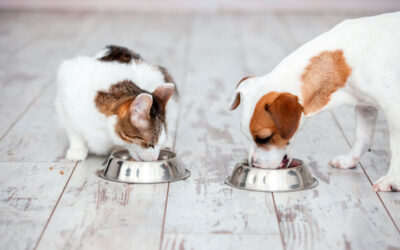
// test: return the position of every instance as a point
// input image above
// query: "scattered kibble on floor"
(61, 172)
(51, 168)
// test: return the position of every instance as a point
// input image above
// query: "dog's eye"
(264, 140)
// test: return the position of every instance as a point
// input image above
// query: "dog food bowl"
(271, 180)
(121, 168)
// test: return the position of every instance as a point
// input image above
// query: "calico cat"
(115, 98)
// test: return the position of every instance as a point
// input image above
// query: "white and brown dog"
(356, 63)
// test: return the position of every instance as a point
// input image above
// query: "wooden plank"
(221, 241)
(264, 46)
(31, 190)
(98, 214)
(18, 29)
(341, 212)
(208, 6)
(103, 214)
(28, 193)
(25, 77)
(209, 143)
(43, 55)
(37, 136)
(17, 96)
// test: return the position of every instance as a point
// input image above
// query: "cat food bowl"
(293, 178)
(121, 168)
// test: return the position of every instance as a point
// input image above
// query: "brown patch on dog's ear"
(276, 115)
(235, 101)
(326, 73)
(286, 111)
(164, 92)
(262, 120)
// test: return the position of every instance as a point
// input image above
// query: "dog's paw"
(387, 183)
(77, 154)
(344, 162)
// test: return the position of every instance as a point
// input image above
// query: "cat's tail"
(117, 53)
(168, 79)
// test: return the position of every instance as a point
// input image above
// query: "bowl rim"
(112, 155)
(313, 185)
(183, 177)
(245, 163)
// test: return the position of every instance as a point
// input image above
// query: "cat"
(115, 98)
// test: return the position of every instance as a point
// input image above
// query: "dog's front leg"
(365, 125)
(391, 181)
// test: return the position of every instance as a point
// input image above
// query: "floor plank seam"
(366, 174)
(55, 207)
(163, 222)
(277, 220)
(79, 42)
(388, 212)
(24, 44)
(184, 80)
(26, 109)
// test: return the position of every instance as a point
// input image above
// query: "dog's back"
(372, 47)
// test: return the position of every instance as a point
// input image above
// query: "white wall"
(207, 5)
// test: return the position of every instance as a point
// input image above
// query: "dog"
(355, 63)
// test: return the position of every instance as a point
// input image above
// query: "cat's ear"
(140, 110)
(164, 92)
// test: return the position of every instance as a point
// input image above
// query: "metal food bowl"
(121, 168)
(271, 180)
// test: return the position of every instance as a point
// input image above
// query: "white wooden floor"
(49, 203)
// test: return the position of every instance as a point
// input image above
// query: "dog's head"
(269, 119)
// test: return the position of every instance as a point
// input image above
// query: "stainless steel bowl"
(271, 180)
(166, 169)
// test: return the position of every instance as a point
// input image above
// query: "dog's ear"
(235, 101)
(286, 111)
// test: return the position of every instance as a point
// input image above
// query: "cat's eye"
(263, 140)
(151, 145)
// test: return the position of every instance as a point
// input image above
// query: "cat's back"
(89, 74)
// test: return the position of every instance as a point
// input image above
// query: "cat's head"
(140, 124)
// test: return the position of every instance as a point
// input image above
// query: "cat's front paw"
(76, 154)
